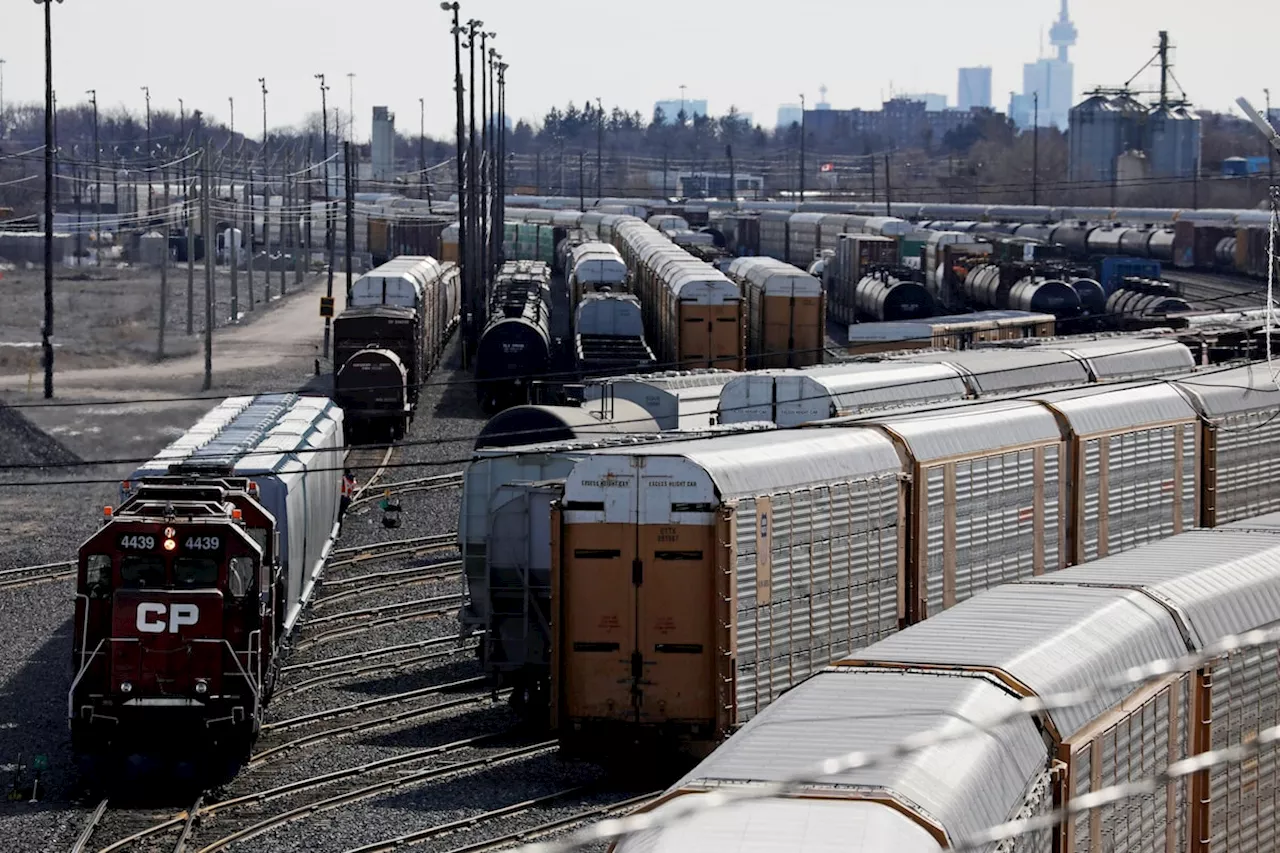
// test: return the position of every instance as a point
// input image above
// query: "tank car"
(884, 296)
(186, 593)
(515, 345)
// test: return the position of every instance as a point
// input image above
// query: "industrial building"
(901, 122)
(382, 144)
(1163, 138)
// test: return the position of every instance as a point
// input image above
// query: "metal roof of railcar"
(1221, 582)
(1095, 409)
(966, 785)
(1227, 392)
(963, 430)
(1050, 639)
(992, 372)
(797, 825)
(1117, 359)
(759, 463)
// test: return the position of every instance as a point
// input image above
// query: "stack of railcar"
(392, 334)
(692, 312)
(186, 595)
(515, 344)
(1074, 632)
(691, 575)
(786, 313)
(854, 257)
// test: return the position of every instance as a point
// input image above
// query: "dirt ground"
(126, 408)
(110, 316)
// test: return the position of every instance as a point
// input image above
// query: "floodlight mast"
(1260, 122)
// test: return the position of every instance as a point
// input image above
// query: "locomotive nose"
(166, 644)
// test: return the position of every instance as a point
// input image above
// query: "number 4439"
(202, 543)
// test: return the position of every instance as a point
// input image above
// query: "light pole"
(501, 218)
(97, 174)
(150, 201)
(46, 334)
(328, 223)
(491, 167)
(1035, 148)
(351, 106)
(682, 115)
(599, 147)
(802, 129)
(422, 145)
(486, 235)
(1271, 156)
(2, 125)
(479, 290)
(462, 204)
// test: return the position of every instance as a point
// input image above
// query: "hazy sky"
(751, 53)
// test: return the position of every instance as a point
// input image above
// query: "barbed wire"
(707, 799)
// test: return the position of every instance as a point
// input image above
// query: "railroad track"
(518, 837)
(22, 576)
(404, 487)
(1217, 291)
(365, 584)
(396, 548)
(363, 458)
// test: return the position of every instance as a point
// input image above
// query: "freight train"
(515, 345)
(187, 593)
(393, 332)
(694, 582)
(608, 323)
(1080, 631)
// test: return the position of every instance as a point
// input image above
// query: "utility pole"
(888, 188)
(501, 216)
(422, 145)
(872, 160)
(187, 192)
(582, 201)
(46, 335)
(328, 219)
(233, 244)
(164, 264)
(2, 124)
(479, 286)
(97, 172)
(733, 184)
(802, 133)
(1035, 148)
(462, 196)
(286, 201)
(350, 241)
(599, 147)
(482, 200)
(266, 201)
(206, 220)
(248, 203)
(150, 200)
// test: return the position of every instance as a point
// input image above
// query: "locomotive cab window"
(97, 575)
(239, 576)
(195, 572)
(139, 571)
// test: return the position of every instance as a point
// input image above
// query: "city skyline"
(1114, 41)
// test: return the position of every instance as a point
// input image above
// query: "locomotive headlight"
(170, 544)
(202, 686)
(126, 687)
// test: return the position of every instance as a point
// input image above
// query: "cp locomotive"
(187, 592)
(392, 334)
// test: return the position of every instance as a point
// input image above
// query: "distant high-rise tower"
(1049, 78)
(822, 98)
(974, 89)
(1063, 34)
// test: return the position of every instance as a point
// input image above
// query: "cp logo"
(178, 615)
